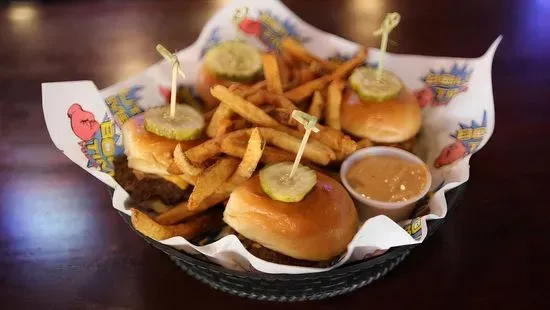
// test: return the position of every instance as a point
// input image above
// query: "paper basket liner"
(455, 95)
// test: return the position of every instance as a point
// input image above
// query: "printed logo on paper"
(414, 228)
(467, 139)
(98, 139)
(268, 28)
(442, 86)
(124, 104)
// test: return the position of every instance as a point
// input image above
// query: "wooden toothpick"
(309, 122)
(390, 21)
(173, 59)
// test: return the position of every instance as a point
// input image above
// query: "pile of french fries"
(252, 126)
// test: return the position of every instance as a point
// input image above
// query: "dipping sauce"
(387, 178)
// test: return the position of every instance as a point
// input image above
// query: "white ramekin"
(368, 208)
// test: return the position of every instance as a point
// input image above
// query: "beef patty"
(264, 253)
(150, 187)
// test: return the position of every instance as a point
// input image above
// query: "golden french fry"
(211, 179)
(305, 90)
(306, 75)
(283, 116)
(184, 164)
(279, 101)
(315, 151)
(270, 155)
(240, 123)
(271, 73)
(366, 142)
(334, 102)
(224, 127)
(173, 169)
(284, 71)
(222, 112)
(257, 99)
(297, 50)
(317, 105)
(252, 89)
(343, 70)
(334, 139)
(244, 108)
(250, 159)
(176, 214)
(188, 230)
(197, 155)
(208, 115)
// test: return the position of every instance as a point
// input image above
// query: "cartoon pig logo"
(467, 139)
(251, 27)
(83, 123)
(450, 154)
(424, 96)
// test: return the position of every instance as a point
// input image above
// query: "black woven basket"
(296, 287)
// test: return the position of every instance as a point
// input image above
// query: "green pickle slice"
(186, 125)
(276, 184)
(364, 83)
(235, 61)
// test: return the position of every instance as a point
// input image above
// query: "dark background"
(62, 246)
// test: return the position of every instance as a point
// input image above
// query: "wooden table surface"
(62, 246)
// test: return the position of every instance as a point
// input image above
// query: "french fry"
(224, 127)
(334, 102)
(174, 169)
(289, 60)
(197, 155)
(176, 214)
(284, 71)
(334, 139)
(258, 98)
(294, 80)
(191, 229)
(245, 90)
(244, 108)
(306, 75)
(279, 101)
(317, 105)
(184, 164)
(271, 73)
(366, 142)
(343, 70)
(250, 159)
(297, 50)
(270, 155)
(222, 112)
(305, 90)
(211, 179)
(315, 151)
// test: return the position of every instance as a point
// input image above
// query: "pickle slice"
(186, 125)
(276, 183)
(363, 81)
(235, 61)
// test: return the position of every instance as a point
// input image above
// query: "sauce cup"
(368, 208)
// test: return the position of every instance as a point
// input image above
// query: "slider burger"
(226, 63)
(149, 141)
(384, 110)
(306, 220)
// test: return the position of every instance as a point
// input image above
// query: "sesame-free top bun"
(146, 151)
(317, 228)
(390, 121)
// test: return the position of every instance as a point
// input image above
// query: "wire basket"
(296, 287)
